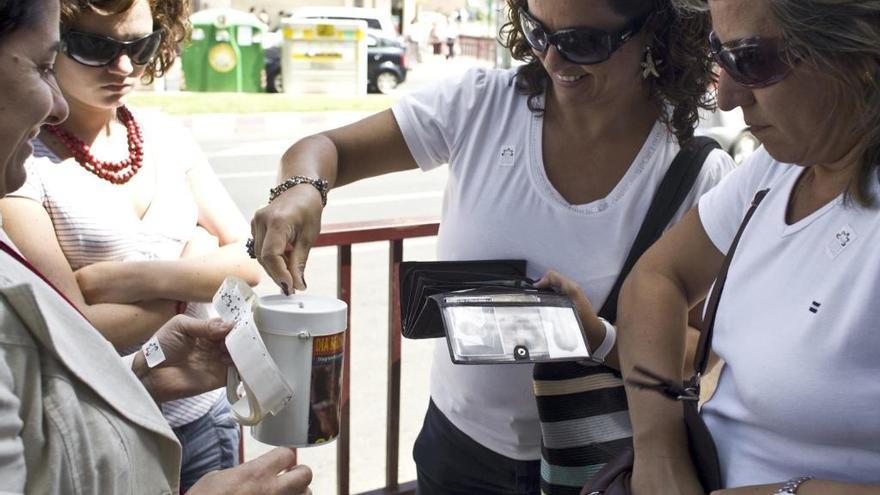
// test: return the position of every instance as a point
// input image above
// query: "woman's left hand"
(560, 283)
(594, 329)
(196, 358)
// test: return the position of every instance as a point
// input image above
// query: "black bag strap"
(690, 390)
(670, 194)
(701, 358)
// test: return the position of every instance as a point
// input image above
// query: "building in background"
(403, 11)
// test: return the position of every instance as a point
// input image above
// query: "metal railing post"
(392, 434)
(343, 443)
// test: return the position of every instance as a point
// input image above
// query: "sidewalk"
(220, 126)
(261, 126)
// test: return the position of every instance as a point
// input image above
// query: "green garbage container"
(225, 53)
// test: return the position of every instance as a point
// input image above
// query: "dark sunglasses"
(580, 45)
(95, 50)
(753, 62)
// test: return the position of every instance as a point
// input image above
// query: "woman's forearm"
(313, 156)
(127, 325)
(188, 279)
(652, 328)
(196, 279)
(825, 487)
(811, 487)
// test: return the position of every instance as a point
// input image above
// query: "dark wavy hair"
(677, 37)
(170, 16)
(15, 14)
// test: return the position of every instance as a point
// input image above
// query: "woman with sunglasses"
(126, 216)
(795, 408)
(554, 162)
(74, 416)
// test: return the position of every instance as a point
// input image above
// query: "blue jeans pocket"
(209, 443)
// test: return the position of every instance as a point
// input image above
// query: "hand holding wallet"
(489, 312)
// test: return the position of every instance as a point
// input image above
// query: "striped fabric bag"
(582, 406)
(584, 423)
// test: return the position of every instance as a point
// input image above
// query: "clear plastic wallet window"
(497, 326)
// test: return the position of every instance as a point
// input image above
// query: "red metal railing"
(343, 236)
(479, 47)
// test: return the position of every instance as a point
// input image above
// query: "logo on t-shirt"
(842, 238)
(508, 155)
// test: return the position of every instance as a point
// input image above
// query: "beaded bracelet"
(791, 486)
(320, 184)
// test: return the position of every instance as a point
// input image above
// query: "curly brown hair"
(678, 38)
(169, 16)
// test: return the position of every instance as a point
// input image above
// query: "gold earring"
(649, 65)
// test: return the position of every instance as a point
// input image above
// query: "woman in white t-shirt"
(126, 216)
(798, 324)
(555, 162)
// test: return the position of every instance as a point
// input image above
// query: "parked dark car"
(386, 64)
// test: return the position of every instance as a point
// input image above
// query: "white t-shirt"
(799, 328)
(499, 204)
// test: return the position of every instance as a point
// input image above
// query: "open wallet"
(489, 312)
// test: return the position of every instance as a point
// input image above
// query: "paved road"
(246, 163)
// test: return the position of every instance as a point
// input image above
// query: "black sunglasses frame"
(129, 47)
(609, 42)
(729, 55)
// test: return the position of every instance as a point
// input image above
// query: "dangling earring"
(649, 65)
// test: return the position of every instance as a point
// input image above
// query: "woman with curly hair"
(554, 162)
(126, 216)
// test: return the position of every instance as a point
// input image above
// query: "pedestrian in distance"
(451, 37)
(434, 39)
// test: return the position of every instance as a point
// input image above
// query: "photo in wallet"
(485, 326)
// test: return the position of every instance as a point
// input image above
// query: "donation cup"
(288, 353)
(305, 336)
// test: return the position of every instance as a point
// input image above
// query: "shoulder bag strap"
(670, 194)
(21, 259)
(701, 357)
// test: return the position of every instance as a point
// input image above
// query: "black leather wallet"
(420, 316)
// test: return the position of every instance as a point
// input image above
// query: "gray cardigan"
(73, 418)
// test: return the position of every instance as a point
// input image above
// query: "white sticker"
(508, 155)
(842, 238)
(153, 352)
(234, 299)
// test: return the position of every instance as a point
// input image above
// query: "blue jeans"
(209, 443)
(449, 462)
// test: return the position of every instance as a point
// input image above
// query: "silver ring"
(249, 245)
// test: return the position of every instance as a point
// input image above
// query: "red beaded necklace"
(115, 172)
